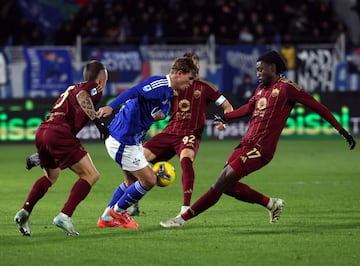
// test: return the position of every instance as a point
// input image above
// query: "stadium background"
(48, 42)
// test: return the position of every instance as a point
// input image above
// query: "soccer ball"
(165, 173)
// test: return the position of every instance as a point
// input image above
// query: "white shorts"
(129, 157)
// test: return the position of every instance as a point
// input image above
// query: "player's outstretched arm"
(227, 107)
(349, 139)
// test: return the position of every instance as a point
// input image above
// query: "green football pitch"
(320, 224)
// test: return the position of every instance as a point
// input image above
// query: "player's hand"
(219, 118)
(219, 122)
(103, 129)
(104, 111)
(157, 114)
(349, 139)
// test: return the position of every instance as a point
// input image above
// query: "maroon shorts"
(58, 147)
(165, 146)
(245, 160)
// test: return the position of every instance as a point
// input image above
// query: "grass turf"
(320, 225)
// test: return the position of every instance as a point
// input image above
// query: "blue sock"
(132, 195)
(119, 191)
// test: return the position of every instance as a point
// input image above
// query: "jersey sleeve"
(89, 86)
(130, 93)
(297, 94)
(213, 94)
(154, 87)
(244, 110)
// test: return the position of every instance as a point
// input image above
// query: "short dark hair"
(273, 57)
(92, 70)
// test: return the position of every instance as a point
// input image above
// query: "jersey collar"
(168, 79)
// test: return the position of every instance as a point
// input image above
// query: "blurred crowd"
(115, 22)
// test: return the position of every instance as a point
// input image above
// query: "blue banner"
(238, 62)
(48, 71)
(125, 66)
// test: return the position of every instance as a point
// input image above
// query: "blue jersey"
(139, 105)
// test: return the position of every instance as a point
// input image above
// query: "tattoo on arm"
(86, 104)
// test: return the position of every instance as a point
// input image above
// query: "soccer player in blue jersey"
(139, 106)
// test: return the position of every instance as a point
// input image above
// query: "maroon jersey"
(67, 110)
(188, 108)
(270, 107)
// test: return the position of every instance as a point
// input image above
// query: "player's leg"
(106, 220)
(247, 194)
(242, 161)
(227, 178)
(243, 192)
(37, 191)
(88, 175)
(158, 148)
(134, 193)
(134, 209)
(252, 161)
(120, 211)
(187, 177)
(132, 160)
(41, 185)
(187, 147)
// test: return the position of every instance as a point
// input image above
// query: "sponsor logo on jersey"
(93, 92)
(146, 88)
(184, 105)
(197, 94)
(275, 92)
(262, 103)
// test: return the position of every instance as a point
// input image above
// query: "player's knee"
(226, 180)
(149, 182)
(95, 177)
(92, 178)
(187, 154)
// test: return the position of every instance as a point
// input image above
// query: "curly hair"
(273, 57)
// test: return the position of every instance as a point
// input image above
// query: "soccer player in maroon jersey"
(59, 148)
(269, 108)
(182, 135)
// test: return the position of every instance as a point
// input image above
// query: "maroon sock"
(206, 201)
(188, 177)
(245, 193)
(78, 192)
(37, 191)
